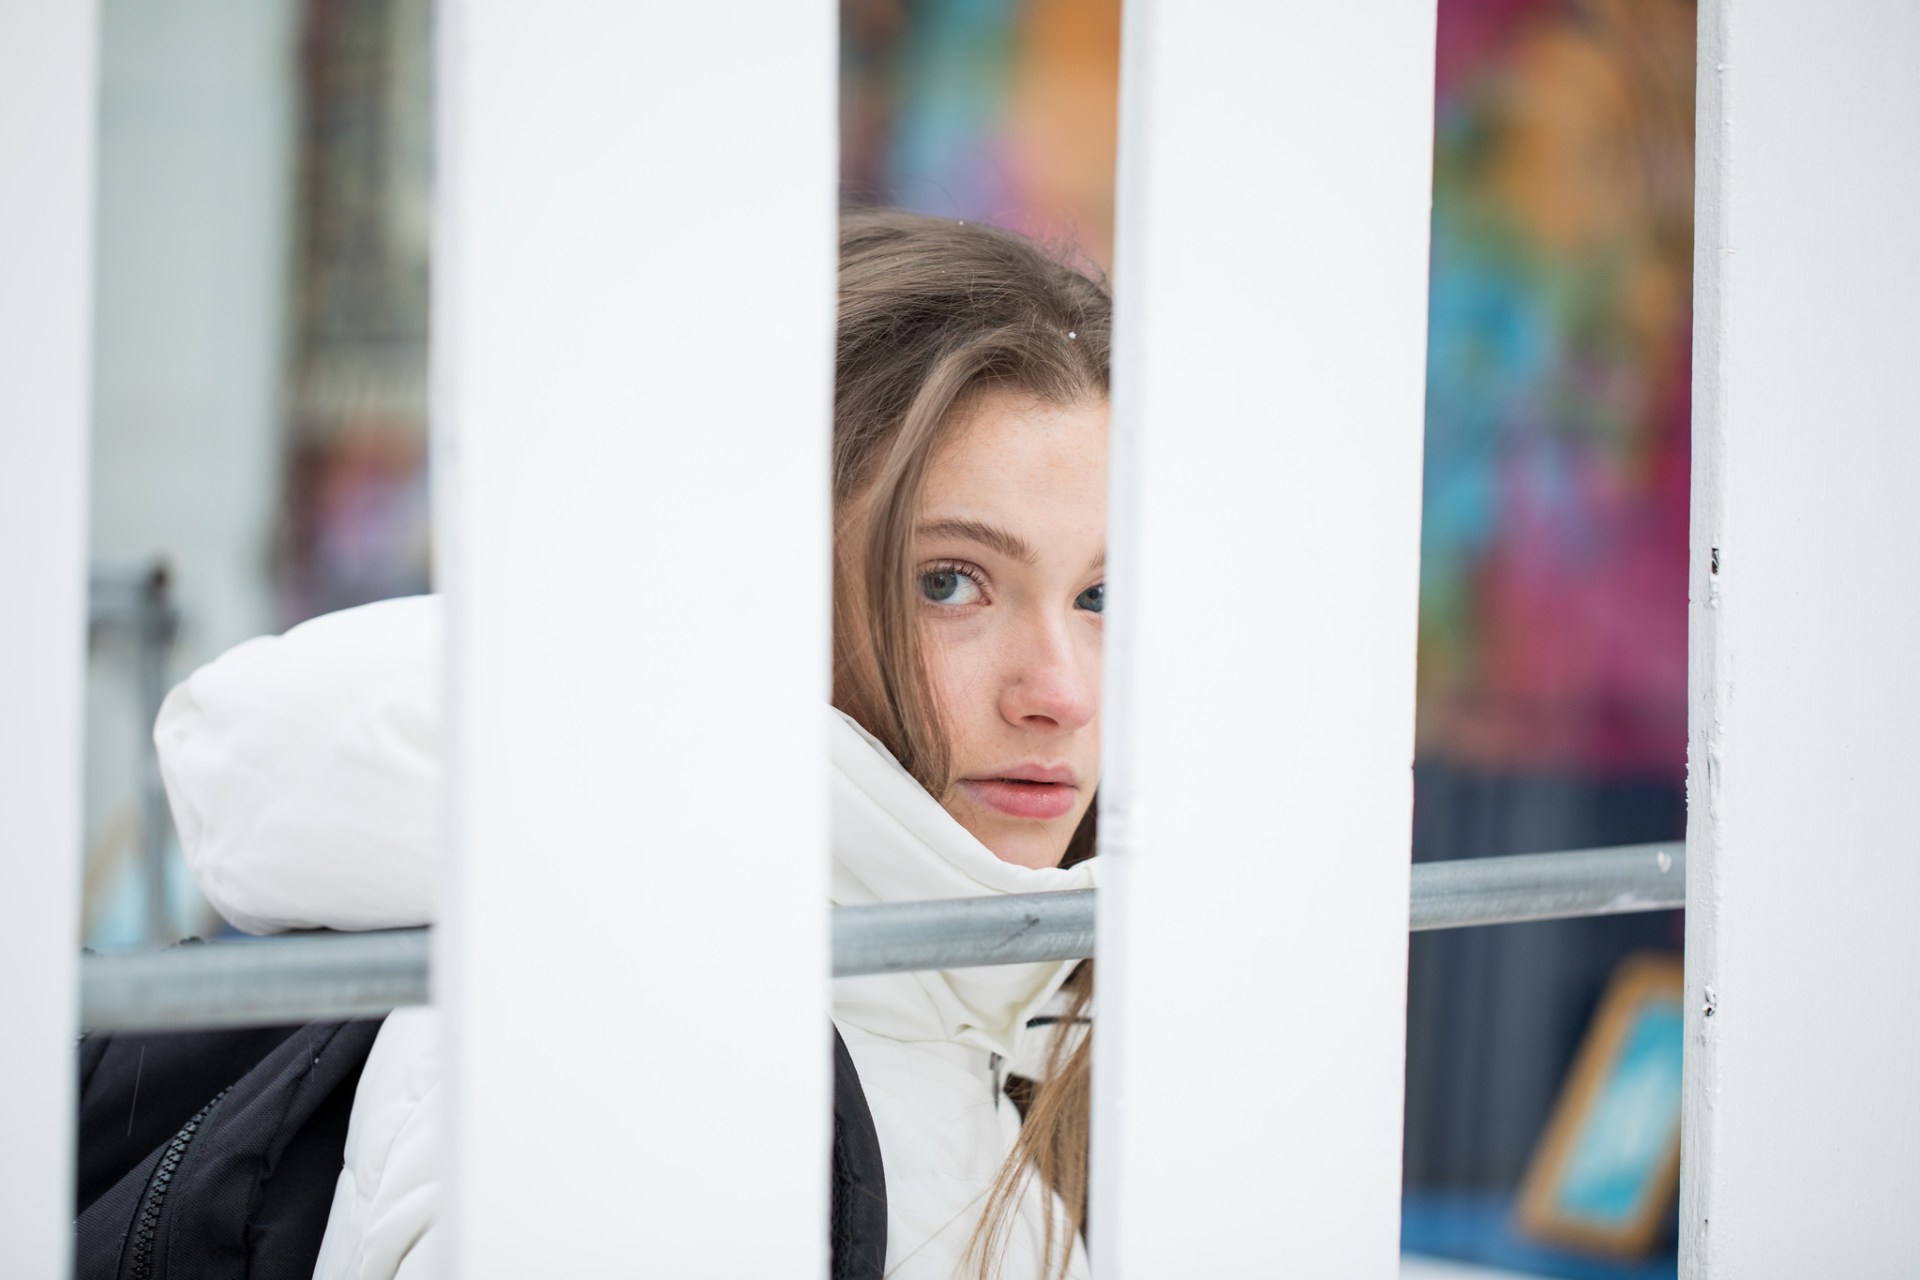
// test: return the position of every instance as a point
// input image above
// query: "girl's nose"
(1051, 682)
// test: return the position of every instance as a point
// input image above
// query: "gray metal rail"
(295, 979)
(255, 981)
(1549, 886)
(961, 933)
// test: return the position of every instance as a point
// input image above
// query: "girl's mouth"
(1019, 798)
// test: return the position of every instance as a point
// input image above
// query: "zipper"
(146, 1229)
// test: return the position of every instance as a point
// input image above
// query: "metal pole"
(359, 975)
(136, 598)
(960, 933)
(158, 622)
(1549, 886)
(257, 982)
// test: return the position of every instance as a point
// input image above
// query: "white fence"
(612, 289)
(1803, 967)
(609, 285)
(48, 70)
(1268, 403)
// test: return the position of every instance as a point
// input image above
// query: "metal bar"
(256, 982)
(960, 933)
(1548, 886)
(158, 624)
(367, 974)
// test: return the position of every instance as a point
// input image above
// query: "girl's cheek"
(948, 659)
(961, 665)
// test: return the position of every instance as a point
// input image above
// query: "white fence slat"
(1803, 840)
(633, 325)
(1271, 310)
(49, 90)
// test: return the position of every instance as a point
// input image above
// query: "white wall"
(1803, 960)
(1256, 801)
(47, 70)
(197, 133)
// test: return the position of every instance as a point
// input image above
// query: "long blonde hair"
(934, 312)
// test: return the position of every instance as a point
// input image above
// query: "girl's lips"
(1023, 799)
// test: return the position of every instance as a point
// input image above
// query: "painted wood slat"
(49, 90)
(1803, 965)
(1271, 308)
(633, 324)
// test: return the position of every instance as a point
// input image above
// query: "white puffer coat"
(303, 771)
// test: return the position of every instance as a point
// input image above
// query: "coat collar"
(892, 842)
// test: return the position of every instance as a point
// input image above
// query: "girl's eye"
(1093, 599)
(949, 586)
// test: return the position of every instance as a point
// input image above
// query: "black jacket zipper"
(146, 1226)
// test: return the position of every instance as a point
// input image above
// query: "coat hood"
(304, 771)
(892, 842)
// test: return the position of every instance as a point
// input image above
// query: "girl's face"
(1010, 550)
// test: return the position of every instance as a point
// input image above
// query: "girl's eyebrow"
(987, 535)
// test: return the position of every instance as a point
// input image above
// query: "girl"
(969, 473)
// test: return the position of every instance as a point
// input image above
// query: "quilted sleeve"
(384, 1224)
(304, 771)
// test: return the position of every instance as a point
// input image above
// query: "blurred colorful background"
(1554, 535)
